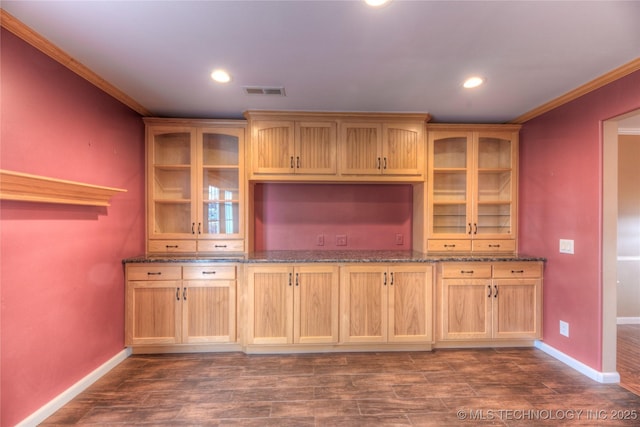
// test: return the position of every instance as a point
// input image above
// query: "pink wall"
(561, 198)
(292, 216)
(62, 285)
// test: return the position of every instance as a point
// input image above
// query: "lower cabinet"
(174, 304)
(489, 301)
(292, 304)
(386, 303)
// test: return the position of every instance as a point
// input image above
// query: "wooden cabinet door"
(364, 300)
(153, 312)
(517, 308)
(208, 311)
(466, 309)
(315, 148)
(273, 147)
(270, 311)
(316, 304)
(410, 303)
(360, 153)
(403, 149)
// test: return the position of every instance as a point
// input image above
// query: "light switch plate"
(566, 246)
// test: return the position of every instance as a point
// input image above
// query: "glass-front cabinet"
(195, 185)
(472, 186)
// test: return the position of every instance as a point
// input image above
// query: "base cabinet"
(292, 304)
(167, 305)
(489, 301)
(386, 304)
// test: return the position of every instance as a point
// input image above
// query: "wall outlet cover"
(341, 240)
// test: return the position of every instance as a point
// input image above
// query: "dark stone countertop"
(353, 256)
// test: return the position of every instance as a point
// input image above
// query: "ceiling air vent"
(261, 90)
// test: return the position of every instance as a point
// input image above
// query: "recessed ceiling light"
(472, 82)
(376, 3)
(220, 76)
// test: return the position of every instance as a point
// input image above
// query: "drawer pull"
(469, 228)
(450, 246)
(391, 283)
(199, 228)
(177, 294)
(489, 296)
(193, 231)
(466, 271)
(171, 246)
(152, 273)
(289, 279)
(297, 280)
(494, 246)
(384, 279)
(219, 246)
(208, 272)
(291, 162)
(184, 294)
(378, 162)
(517, 271)
(495, 294)
(385, 163)
(298, 162)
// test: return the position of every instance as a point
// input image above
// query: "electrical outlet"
(399, 239)
(320, 240)
(564, 328)
(341, 240)
(566, 246)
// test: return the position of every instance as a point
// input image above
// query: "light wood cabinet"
(172, 304)
(489, 301)
(382, 303)
(472, 188)
(368, 148)
(288, 147)
(195, 186)
(292, 304)
(316, 146)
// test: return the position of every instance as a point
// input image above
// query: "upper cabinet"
(472, 188)
(195, 185)
(382, 149)
(304, 146)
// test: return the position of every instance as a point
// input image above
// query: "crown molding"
(601, 81)
(19, 29)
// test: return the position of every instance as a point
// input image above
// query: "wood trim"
(33, 188)
(597, 83)
(10, 23)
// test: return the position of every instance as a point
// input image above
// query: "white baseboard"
(628, 320)
(601, 377)
(66, 396)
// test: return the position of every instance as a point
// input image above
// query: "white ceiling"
(410, 56)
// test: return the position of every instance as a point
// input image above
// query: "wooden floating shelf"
(33, 188)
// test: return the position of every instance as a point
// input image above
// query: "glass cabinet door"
(171, 183)
(221, 180)
(450, 160)
(494, 186)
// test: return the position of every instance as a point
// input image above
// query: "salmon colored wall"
(561, 198)
(292, 216)
(62, 285)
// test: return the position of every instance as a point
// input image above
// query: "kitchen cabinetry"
(386, 303)
(489, 301)
(195, 186)
(292, 304)
(472, 188)
(288, 147)
(173, 304)
(370, 148)
(308, 146)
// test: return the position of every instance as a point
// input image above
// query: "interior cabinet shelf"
(34, 188)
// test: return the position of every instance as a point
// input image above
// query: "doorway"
(610, 252)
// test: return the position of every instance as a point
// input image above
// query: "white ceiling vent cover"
(263, 90)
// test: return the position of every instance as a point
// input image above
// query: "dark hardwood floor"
(498, 387)
(628, 357)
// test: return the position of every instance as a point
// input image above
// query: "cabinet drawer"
(517, 269)
(449, 245)
(152, 272)
(172, 246)
(494, 246)
(466, 270)
(220, 245)
(226, 272)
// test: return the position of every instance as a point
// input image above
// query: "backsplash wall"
(322, 216)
